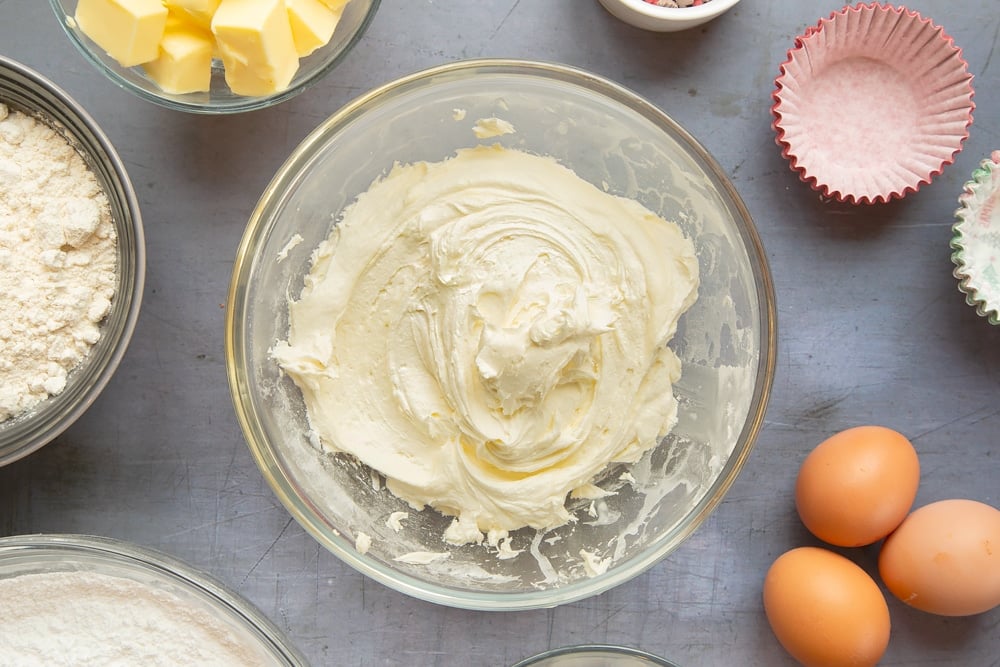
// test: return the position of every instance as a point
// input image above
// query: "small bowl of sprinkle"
(667, 15)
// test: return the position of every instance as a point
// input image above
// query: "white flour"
(83, 619)
(57, 261)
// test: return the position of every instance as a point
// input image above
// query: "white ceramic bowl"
(647, 16)
(608, 136)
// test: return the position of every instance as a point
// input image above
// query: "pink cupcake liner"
(872, 103)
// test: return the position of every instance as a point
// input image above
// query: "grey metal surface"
(871, 330)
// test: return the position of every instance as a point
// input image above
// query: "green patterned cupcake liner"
(976, 240)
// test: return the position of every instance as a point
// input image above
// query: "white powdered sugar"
(57, 261)
(84, 618)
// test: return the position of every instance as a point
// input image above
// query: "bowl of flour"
(72, 260)
(83, 600)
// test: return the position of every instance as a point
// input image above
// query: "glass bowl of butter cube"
(215, 56)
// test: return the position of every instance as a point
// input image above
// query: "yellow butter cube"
(184, 18)
(185, 61)
(256, 44)
(335, 5)
(199, 11)
(312, 24)
(129, 30)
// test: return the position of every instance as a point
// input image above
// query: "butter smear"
(490, 332)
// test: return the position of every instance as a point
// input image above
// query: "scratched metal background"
(872, 329)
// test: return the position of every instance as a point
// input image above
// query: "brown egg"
(855, 487)
(945, 558)
(825, 610)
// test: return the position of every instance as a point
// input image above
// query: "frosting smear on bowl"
(490, 333)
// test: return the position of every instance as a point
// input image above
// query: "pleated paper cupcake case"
(872, 103)
(976, 240)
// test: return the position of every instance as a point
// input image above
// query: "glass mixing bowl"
(219, 99)
(609, 137)
(199, 593)
(595, 655)
(28, 91)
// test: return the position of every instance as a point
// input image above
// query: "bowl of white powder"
(500, 334)
(83, 600)
(72, 260)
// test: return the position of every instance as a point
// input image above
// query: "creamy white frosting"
(486, 128)
(395, 520)
(490, 332)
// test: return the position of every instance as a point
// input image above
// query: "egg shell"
(857, 486)
(945, 558)
(825, 610)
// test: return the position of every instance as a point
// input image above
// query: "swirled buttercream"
(490, 332)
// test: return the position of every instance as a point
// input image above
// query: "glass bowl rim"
(303, 512)
(38, 437)
(162, 565)
(584, 649)
(249, 103)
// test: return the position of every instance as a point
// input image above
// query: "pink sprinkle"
(676, 3)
